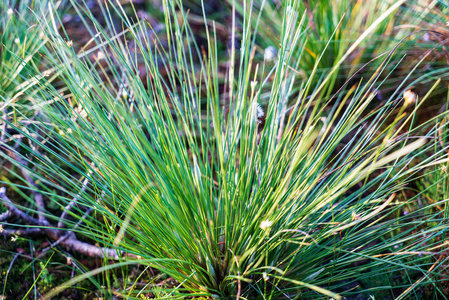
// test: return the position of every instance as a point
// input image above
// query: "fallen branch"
(38, 198)
(69, 240)
(74, 200)
(34, 231)
(75, 245)
(80, 221)
(18, 213)
(5, 216)
(41, 225)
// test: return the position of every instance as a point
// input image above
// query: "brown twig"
(80, 221)
(22, 232)
(17, 212)
(5, 216)
(70, 242)
(72, 203)
(38, 198)
(42, 226)
(73, 244)
(3, 132)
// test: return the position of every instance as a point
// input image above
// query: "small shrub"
(184, 173)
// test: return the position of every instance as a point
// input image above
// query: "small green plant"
(46, 279)
(176, 167)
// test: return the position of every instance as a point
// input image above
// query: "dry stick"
(5, 216)
(71, 243)
(17, 212)
(38, 198)
(66, 236)
(74, 200)
(22, 232)
(3, 133)
(419, 280)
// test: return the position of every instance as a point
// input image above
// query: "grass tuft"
(256, 184)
